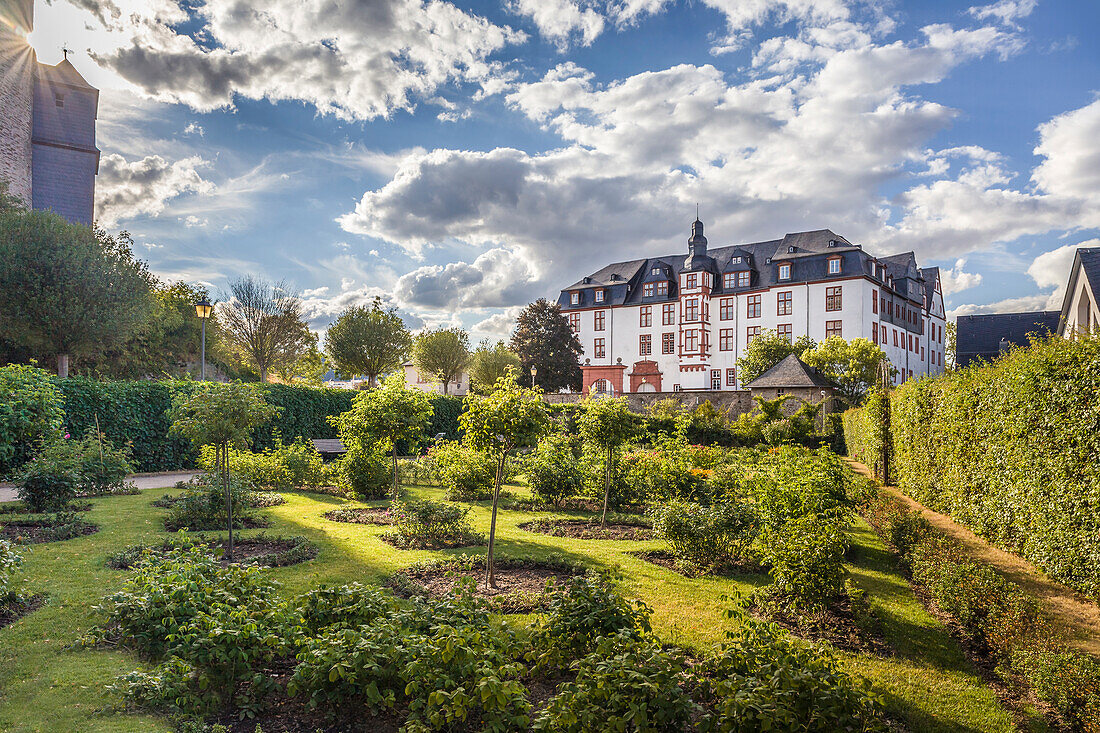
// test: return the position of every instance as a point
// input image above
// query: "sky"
(459, 160)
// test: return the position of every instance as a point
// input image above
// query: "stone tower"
(17, 65)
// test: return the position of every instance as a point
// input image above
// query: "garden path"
(142, 481)
(1079, 616)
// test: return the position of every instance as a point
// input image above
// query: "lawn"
(927, 682)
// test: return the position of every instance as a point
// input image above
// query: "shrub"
(203, 507)
(432, 524)
(625, 685)
(30, 414)
(1069, 682)
(553, 471)
(103, 467)
(51, 480)
(591, 606)
(280, 467)
(465, 472)
(622, 493)
(346, 607)
(806, 560)
(706, 536)
(663, 474)
(10, 560)
(365, 473)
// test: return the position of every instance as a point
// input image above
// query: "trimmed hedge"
(137, 412)
(1008, 449)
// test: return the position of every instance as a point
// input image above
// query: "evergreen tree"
(544, 340)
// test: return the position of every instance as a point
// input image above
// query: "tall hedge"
(1010, 449)
(137, 412)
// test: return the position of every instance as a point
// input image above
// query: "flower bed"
(52, 528)
(262, 549)
(589, 529)
(362, 515)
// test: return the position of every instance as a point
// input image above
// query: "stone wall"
(17, 62)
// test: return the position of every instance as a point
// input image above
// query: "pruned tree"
(854, 365)
(67, 290)
(263, 323)
(388, 415)
(767, 350)
(544, 340)
(605, 425)
(489, 363)
(442, 353)
(510, 417)
(368, 341)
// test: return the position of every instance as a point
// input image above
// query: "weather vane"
(65, 50)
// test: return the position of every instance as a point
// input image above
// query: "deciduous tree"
(853, 365)
(544, 340)
(368, 341)
(509, 418)
(263, 323)
(442, 353)
(489, 363)
(767, 350)
(605, 425)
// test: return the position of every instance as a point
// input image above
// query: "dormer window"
(744, 279)
(656, 271)
(599, 296)
(736, 260)
(834, 265)
(574, 298)
(728, 280)
(692, 280)
(785, 271)
(647, 290)
(662, 288)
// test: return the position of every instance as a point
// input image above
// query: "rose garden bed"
(14, 608)
(589, 529)
(262, 549)
(52, 528)
(361, 515)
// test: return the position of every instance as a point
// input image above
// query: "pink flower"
(66, 436)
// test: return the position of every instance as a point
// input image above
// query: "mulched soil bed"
(18, 507)
(361, 515)
(521, 584)
(259, 550)
(434, 543)
(837, 624)
(594, 505)
(258, 500)
(13, 610)
(37, 531)
(667, 560)
(589, 529)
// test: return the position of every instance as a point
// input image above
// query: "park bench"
(329, 448)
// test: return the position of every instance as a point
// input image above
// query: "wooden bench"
(329, 448)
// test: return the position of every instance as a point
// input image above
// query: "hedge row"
(137, 412)
(1009, 449)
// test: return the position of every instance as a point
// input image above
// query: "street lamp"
(532, 377)
(203, 309)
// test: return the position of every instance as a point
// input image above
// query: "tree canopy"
(262, 322)
(66, 289)
(853, 365)
(220, 414)
(605, 425)
(442, 353)
(544, 340)
(489, 363)
(767, 350)
(368, 341)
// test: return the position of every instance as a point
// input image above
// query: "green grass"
(43, 687)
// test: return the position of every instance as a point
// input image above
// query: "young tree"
(66, 289)
(368, 341)
(442, 353)
(949, 351)
(854, 365)
(605, 425)
(509, 418)
(489, 363)
(263, 323)
(222, 415)
(390, 414)
(308, 367)
(767, 350)
(544, 340)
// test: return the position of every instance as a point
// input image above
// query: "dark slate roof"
(1089, 257)
(931, 276)
(980, 335)
(791, 373)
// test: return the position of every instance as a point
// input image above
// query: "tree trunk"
(228, 502)
(606, 489)
(63, 365)
(445, 383)
(490, 580)
(395, 471)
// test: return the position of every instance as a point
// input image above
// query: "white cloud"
(355, 60)
(1004, 11)
(194, 221)
(956, 279)
(497, 278)
(497, 326)
(1070, 144)
(1021, 304)
(561, 21)
(125, 189)
(193, 128)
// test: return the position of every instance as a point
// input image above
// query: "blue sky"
(461, 160)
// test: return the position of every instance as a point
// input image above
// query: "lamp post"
(203, 309)
(532, 377)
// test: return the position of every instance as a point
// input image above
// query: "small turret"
(697, 245)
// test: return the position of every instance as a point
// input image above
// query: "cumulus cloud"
(1068, 143)
(561, 21)
(1021, 304)
(128, 189)
(193, 128)
(355, 60)
(499, 325)
(1004, 11)
(497, 278)
(957, 279)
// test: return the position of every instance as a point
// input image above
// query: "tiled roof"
(791, 373)
(980, 335)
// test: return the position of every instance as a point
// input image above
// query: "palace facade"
(680, 322)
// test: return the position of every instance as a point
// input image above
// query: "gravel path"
(1080, 616)
(143, 481)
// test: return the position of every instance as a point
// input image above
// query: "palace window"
(599, 296)
(783, 303)
(725, 339)
(895, 337)
(784, 272)
(716, 379)
(874, 301)
(662, 288)
(692, 280)
(785, 331)
(834, 265)
(736, 260)
(731, 377)
(645, 345)
(691, 309)
(874, 333)
(647, 290)
(645, 316)
(832, 298)
(691, 341)
(668, 315)
(744, 279)
(884, 335)
(726, 308)
(833, 328)
(728, 279)
(668, 343)
(598, 349)
(598, 320)
(574, 298)
(753, 307)
(575, 322)
(750, 333)
(656, 271)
